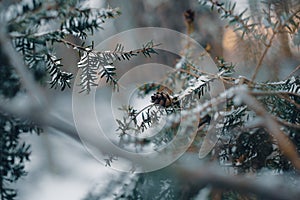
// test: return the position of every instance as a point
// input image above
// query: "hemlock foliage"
(34, 28)
(257, 131)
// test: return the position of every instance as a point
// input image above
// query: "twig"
(81, 48)
(285, 123)
(275, 93)
(188, 72)
(223, 79)
(290, 100)
(294, 71)
(257, 67)
(27, 110)
(281, 94)
(75, 46)
(137, 114)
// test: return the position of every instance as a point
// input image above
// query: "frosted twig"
(211, 175)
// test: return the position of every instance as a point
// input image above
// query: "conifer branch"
(94, 63)
(26, 77)
(59, 78)
(285, 145)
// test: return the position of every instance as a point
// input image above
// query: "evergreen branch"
(134, 118)
(26, 77)
(279, 26)
(286, 147)
(80, 21)
(133, 115)
(119, 52)
(227, 12)
(199, 87)
(282, 94)
(109, 160)
(75, 21)
(241, 92)
(286, 123)
(226, 69)
(89, 64)
(233, 118)
(288, 99)
(109, 72)
(24, 11)
(289, 22)
(94, 63)
(207, 105)
(59, 78)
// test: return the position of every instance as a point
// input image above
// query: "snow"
(7, 126)
(180, 63)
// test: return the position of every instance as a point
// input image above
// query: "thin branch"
(81, 48)
(258, 65)
(285, 123)
(281, 94)
(290, 100)
(274, 93)
(188, 72)
(138, 113)
(294, 71)
(27, 110)
(75, 46)
(52, 120)
(211, 175)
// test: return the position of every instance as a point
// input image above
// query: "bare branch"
(211, 175)
(262, 57)
(293, 72)
(27, 110)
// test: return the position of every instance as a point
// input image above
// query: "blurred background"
(61, 168)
